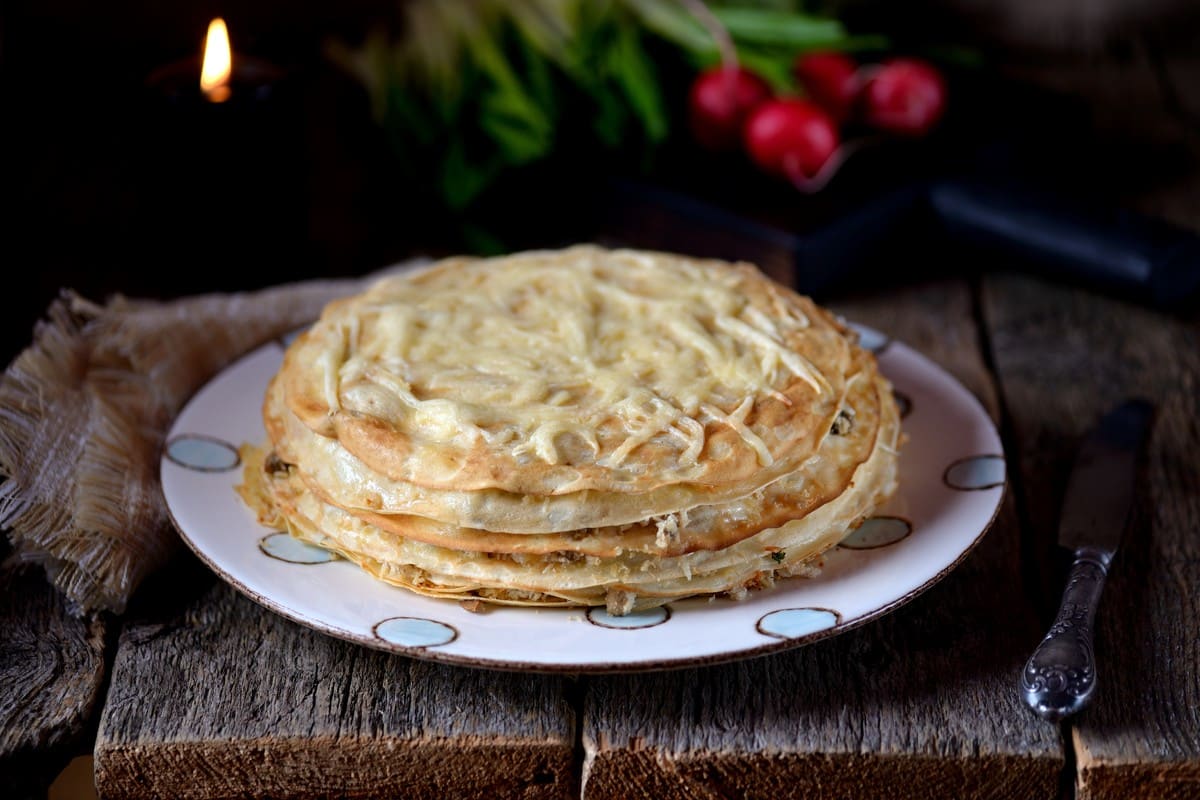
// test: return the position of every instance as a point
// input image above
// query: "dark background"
(112, 187)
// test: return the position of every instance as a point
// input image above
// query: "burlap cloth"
(84, 412)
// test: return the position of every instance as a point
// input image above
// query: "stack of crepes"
(576, 427)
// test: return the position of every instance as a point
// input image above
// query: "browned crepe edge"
(388, 450)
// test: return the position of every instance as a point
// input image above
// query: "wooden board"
(921, 704)
(1177, 196)
(1178, 62)
(1121, 90)
(222, 698)
(51, 672)
(1064, 357)
(1143, 149)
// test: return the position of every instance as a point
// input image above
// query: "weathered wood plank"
(1178, 58)
(1063, 358)
(1177, 197)
(1142, 148)
(51, 674)
(1124, 99)
(222, 698)
(920, 704)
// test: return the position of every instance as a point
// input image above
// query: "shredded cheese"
(533, 349)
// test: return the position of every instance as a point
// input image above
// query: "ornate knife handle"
(1060, 675)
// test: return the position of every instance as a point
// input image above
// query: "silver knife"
(1060, 676)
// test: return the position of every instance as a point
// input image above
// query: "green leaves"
(509, 113)
(760, 26)
(473, 88)
(633, 72)
(671, 21)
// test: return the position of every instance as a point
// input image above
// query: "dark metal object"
(989, 220)
(1012, 179)
(1060, 676)
(1117, 251)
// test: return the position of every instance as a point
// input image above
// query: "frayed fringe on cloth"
(83, 414)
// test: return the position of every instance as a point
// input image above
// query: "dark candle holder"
(253, 82)
(228, 178)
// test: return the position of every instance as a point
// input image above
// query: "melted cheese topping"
(544, 354)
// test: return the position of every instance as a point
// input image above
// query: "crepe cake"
(575, 427)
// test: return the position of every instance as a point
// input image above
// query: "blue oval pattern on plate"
(878, 532)
(871, 339)
(202, 453)
(792, 623)
(632, 621)
(285, 547)
(415, 632)
(976, 472)
(285, 341)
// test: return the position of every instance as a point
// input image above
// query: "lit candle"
(216, 67)
(219, 76)
(224, 161)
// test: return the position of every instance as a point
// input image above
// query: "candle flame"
(218, 63)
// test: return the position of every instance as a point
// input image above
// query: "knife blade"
(1060, 676)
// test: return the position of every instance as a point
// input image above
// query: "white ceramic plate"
(952, 476)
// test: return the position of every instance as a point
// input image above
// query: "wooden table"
(199, 693)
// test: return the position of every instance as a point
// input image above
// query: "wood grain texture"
(223, 698)
(1178, 59)
(1141, 149)
(1064, 357)
(1123, 96)
(1177, 197)
(920, 704)
(51, 673)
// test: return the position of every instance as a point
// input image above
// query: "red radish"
(790, 138)
(905, 96)
(719, 102)
(831, 80)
